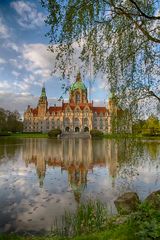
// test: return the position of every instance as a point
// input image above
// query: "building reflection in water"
(76, 156)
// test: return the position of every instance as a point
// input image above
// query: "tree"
(54, 133)
(3, 119)
(14, 122)
(120, 38)
(10, 121)
(151, 126)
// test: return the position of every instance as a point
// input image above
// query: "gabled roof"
(54, 109)
(99, 109)
(81, 105)
(34, 111)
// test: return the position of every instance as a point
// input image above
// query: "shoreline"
(105, 136)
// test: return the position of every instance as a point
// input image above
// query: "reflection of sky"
(27, 206)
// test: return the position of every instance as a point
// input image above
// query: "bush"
(54, 133)
(96, 133)
(2, 134)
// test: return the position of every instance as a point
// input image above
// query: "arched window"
(52, 123)
(101, 123)
(76, 122)
(95, 123)
(85, 122)
(66, 122)
(77, 98)
(86, 111)
(77, 111)
(106, 123)
(58, 123)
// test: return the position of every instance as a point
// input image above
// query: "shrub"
(146, 222)
(54, 133)
(2, 134)
(96, 133)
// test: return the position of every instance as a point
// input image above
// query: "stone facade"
(76, 116)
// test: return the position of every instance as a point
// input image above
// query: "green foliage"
(119, 38)
(89, 217)
(137, 126)
(54, 133)
(29, 135)
(96, 133)
(10, 121)
(2, 134)
(146, 222)
(151, 126)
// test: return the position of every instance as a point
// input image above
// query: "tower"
(78, 91)
(42, 103)
(112, 117)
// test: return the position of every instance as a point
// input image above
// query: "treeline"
(10, 121)
(151, 126)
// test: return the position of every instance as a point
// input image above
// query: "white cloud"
(4, 86)
(2, 61)
(29, 17)
(15, 73)
(20, 101)
(4, 31)
(37, 57)
(15, 63)
(12, 46)
(32, 66)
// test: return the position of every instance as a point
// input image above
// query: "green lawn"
(107, 136)
(29, 135)
(131, 136)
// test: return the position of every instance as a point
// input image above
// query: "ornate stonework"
(77, 115)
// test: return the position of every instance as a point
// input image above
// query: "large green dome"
(78, 84)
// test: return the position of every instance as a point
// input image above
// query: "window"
(101, 123)
(58, 123)
(77, 98)
(66, 122)
(85, 121)
(76, 122)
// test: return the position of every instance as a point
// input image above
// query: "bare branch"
(144, 14)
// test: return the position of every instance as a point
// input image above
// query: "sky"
(26, 63)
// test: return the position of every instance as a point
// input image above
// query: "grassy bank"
(122, 232)
(27, 135)
(130, 136)
(106, 136)
(140, 225)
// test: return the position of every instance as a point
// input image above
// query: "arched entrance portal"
(67, 129)
(76, 129)
(86, 129)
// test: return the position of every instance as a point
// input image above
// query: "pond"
(41, 178)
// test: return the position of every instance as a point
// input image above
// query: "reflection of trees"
(153, 149)
(135, 156)
(9, 148)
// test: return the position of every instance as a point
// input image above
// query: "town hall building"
(78, 115)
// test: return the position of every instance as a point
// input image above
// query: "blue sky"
(25, 62)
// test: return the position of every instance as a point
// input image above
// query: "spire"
(78, 78)
(43, 92)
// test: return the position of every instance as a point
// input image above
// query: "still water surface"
(41, 178)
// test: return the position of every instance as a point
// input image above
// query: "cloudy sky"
(25, 62)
